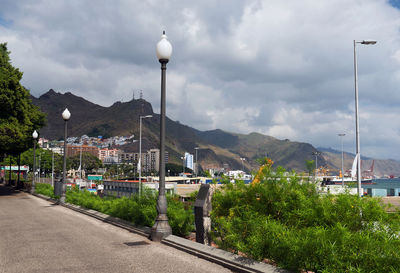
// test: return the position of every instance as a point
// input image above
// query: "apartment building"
(76, 149)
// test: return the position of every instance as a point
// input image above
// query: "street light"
(161, 228)
(242, 159)
(183, 165)
(364, 42)
(316, 161)
(35, 136)
(140, 151)
(197, 165)
(66, 115)
(341, 138)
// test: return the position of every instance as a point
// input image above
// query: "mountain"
(217, 148)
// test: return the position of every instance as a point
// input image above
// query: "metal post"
(40, 161)
(197, 165)
(341, 138)
(140, 155)
(34, 166)
(62, 199)
(161, 228)
(316, 162)
(183, 165)
(357, 122)
(52, 168)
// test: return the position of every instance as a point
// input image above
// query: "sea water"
(383, 187)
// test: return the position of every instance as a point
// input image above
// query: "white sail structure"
(354, 168)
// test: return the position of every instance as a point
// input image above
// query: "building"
(128, 157)
(151, 160)
(76, 149)
(105, 154)
(188, 161)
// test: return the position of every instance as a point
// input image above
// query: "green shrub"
(140, 210)
(45, 189)
(285, 220)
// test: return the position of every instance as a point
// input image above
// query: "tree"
(89, 162)
(18, 116)
(310, 166)
(46, 160)
(175, 169)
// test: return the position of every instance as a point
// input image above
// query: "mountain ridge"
(217, 147)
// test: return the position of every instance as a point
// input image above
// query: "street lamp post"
(364, 42)
(140, 151)
(35, 136)
(66, 115)
(316, 161)
(183, 165)
(161, 228)
(242, 159)
(40, 161)
(197, 165)
(52, 168)
(341, 138)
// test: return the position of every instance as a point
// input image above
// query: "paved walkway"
(37, 236)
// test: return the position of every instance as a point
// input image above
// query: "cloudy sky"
(281, 68)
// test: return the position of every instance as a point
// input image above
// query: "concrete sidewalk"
(39, 236)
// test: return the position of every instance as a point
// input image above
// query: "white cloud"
(283, 68)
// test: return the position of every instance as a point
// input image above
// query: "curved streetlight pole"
(140, 151)
(66, 115)
(161, 227)
(358, 155)
(35, 136)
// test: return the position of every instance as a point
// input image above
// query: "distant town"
(106, 150)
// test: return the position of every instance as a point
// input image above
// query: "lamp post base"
(161, 229)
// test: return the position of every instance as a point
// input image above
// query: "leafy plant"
(286, 220)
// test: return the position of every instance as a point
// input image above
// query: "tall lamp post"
(140, 151)
(161, 228)
(35, 136)
(242, 159)
(364, 42)
(66, 115)
(316, 161)
(197, 165)
(183, 165)
(341, 138)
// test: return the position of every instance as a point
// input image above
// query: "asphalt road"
(37, 236)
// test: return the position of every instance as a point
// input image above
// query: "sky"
(280, 68)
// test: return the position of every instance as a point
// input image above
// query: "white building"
(188, 161)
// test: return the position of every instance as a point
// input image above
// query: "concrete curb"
(227, 259)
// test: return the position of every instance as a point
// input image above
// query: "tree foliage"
(89, 162)
(18, 116)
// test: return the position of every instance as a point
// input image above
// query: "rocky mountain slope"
(217, 148)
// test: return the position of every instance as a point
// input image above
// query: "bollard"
(202, 209)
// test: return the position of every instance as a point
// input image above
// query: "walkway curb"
(224, 258)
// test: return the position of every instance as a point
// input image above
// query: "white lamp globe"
(66, 114)
(35, 134)
(164, 48)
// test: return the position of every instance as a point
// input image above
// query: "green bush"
(45, 189)
(287, 221)
(140, 210)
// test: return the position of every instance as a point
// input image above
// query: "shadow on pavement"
(7, 190)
